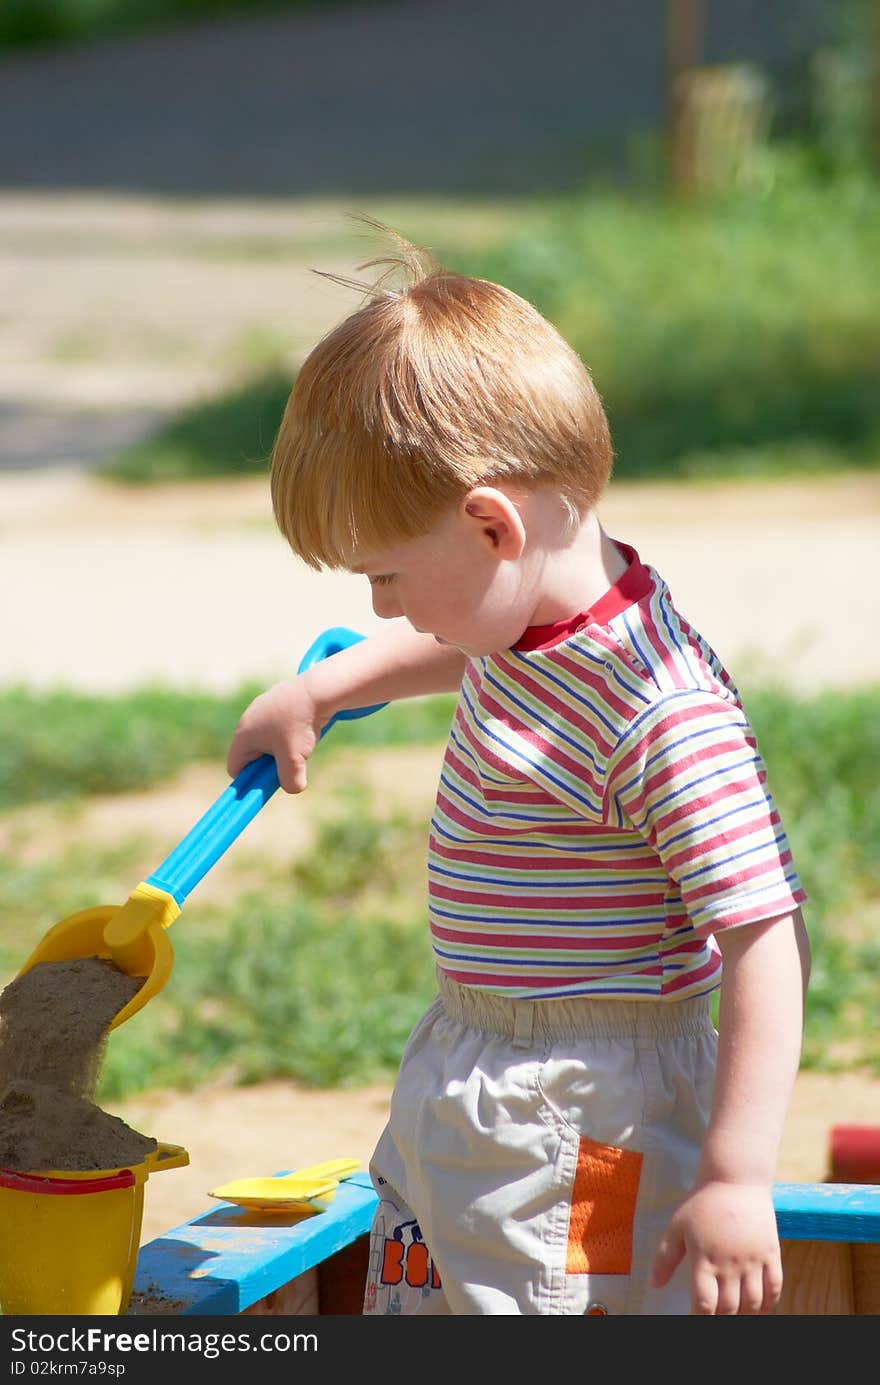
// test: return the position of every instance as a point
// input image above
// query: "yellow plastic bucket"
(69, 1241)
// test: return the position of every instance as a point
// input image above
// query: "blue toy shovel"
(133, 935)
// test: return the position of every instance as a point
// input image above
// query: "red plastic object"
(45, 1183)
(855, 1154)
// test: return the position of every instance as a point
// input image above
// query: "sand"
(54, 1021)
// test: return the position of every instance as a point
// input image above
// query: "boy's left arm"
(726, 1226)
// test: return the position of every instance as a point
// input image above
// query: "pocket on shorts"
(603, 1205)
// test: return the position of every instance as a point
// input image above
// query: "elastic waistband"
(533, 1021)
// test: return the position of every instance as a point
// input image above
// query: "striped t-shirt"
(602, 810)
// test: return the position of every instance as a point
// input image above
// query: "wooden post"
(684, 46)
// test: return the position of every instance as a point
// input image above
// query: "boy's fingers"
(238, 758)
(291, 769)
(772, 1280)
(728, 1295)
(236, 761)
(292, 775)
(704, 1292)
(752, 1298)
(669, 1256)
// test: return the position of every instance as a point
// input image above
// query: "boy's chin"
(469, 651)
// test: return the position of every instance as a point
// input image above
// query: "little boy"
(567, 1133)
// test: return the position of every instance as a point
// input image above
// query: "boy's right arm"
(286, 720)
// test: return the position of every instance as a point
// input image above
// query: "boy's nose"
(385, 604)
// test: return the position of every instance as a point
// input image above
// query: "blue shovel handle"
(226, 819)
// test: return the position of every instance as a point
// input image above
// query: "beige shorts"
(534, 1153)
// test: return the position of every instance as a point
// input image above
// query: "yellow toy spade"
(309, 1189)
(134, 934)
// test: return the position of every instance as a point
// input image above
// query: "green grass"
(63, 744)
(729, 337)
(67, 745)
(319, 973)
(230, 435)
(317, 977)
(823, 760)
(710, 329)
(37, 892)
(274, 984)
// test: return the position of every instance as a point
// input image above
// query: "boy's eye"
(382, 580)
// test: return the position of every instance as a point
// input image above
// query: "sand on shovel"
(54, 1022)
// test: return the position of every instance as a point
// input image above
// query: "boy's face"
(464, 581)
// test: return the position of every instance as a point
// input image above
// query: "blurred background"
(688, 190)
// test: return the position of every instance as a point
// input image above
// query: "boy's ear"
(496, 519)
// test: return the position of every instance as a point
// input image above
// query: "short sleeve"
(688, 777)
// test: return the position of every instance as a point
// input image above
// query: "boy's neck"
(573, 574)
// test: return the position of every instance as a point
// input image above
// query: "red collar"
(631, 587)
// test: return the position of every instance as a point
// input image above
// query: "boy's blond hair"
(422, 393)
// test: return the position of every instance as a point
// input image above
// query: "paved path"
(392, 96)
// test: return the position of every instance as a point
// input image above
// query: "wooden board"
(817, 1279)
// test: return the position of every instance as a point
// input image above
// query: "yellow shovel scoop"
(310, 1189)
(134, 935)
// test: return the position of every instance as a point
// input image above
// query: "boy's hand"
(284, 722)
(728, 1232)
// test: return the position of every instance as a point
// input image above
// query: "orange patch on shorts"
(603, 1204)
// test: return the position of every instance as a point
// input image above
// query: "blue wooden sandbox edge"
(227, 1259)
(827, 1211)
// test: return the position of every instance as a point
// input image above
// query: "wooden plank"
(342, 1279)
(866, 1278)
(817, 1279)
(227, 1259)
(299, 1296)
(827, 1211)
